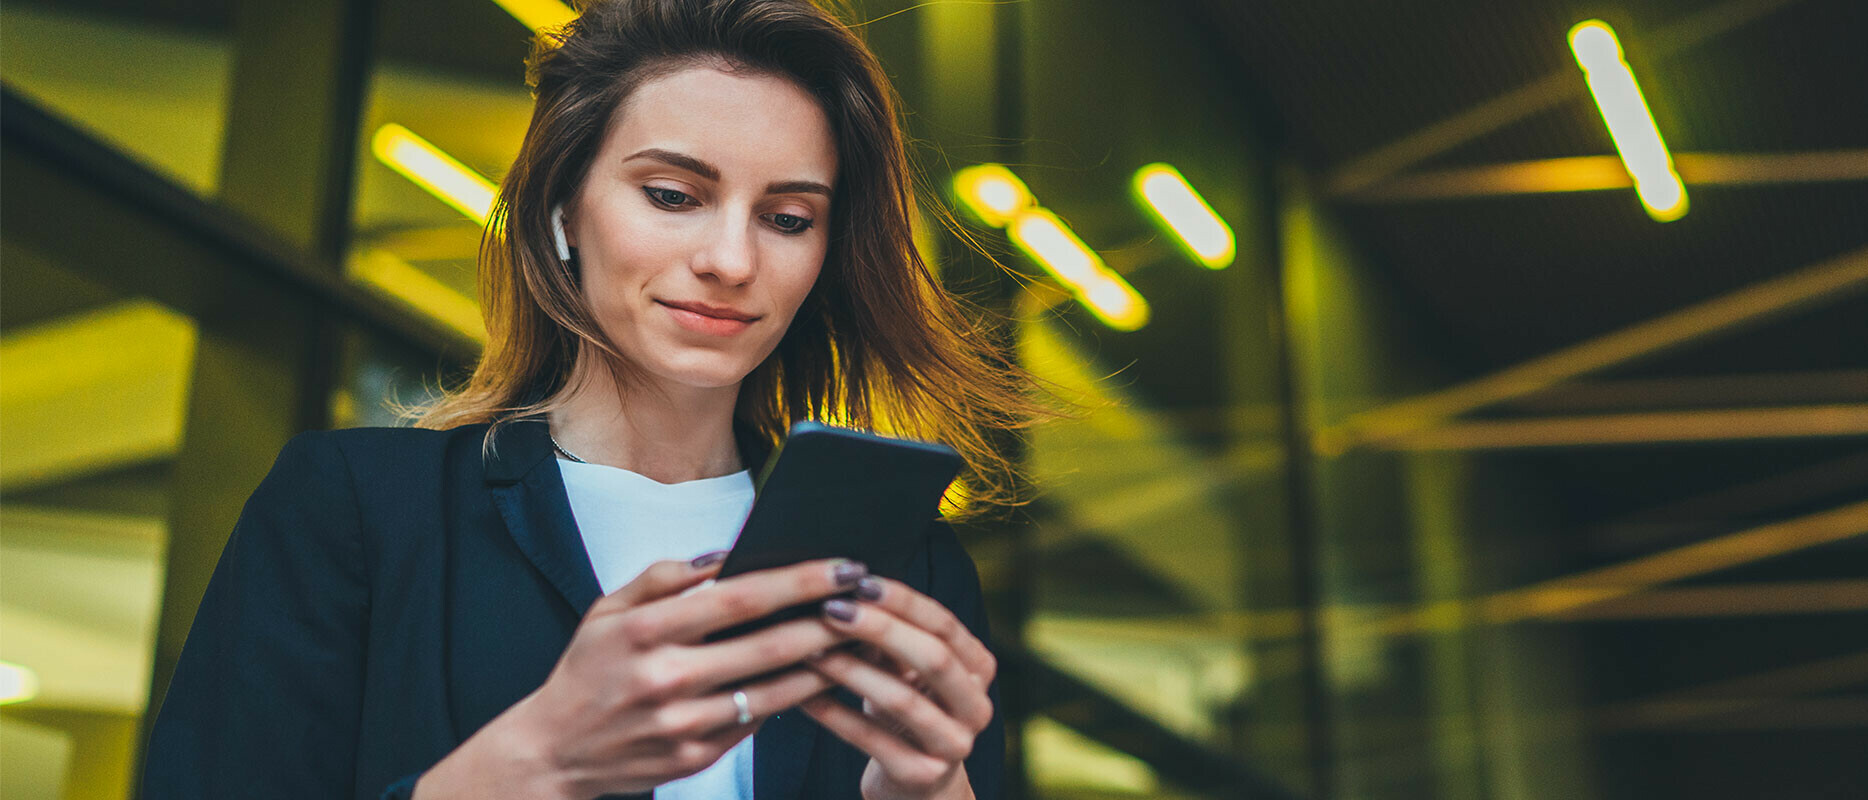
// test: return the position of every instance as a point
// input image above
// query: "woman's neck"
(672, 434)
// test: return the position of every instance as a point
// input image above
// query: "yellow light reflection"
(17, 683)
(1184, 213)
(992, 193)
(389, 274)
(1630, 122)
(430, 168)
(538, 14)
(1051, 243)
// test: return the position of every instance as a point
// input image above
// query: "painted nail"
(847, 573)
(841, 609)
(869, 589)
(707, 559)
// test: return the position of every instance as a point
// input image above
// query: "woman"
(705, 238)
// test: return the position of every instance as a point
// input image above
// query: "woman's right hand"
(638, 699)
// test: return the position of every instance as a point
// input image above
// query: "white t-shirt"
(628, 522)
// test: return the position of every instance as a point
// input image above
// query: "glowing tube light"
(538, 14)
(992, 192)
(433, 170)
(1115, 302)
(1184, 213)
(17, 683)
(1051, 243)
(1054, 246)
(1630, 123)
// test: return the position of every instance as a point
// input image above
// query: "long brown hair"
(877, 344)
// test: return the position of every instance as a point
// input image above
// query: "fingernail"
(869, 589)
(841, 609)
(847, 573)
(707, 559)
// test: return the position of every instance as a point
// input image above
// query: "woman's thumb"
(665, 578)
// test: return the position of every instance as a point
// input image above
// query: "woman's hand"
(638, 699)
(923, 679)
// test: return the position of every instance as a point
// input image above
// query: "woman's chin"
(703, 374)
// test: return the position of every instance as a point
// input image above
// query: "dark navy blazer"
(387, 591)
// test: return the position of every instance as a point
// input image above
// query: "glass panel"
(148, 79)
(91, 418)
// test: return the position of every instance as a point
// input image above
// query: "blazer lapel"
(529, 492)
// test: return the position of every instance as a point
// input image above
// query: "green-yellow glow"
(992, 193)
(17, 683)
(1051, 243)
(430, 168)
(538, 14)
(386, 273)
(1630, 122)
(1185, 214)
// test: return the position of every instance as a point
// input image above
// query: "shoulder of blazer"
(398, 479)
(398, 475)
(378, 455)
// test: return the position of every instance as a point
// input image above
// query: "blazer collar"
(528, 489)
(529, 492)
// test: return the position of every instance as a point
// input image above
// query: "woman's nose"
(729, 254)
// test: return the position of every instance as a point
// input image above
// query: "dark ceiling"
(1506, 279)
(1499, 280)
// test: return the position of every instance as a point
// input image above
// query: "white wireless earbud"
(557, 232)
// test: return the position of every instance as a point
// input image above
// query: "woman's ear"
(557, 233)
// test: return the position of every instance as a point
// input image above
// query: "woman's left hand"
(923, 679)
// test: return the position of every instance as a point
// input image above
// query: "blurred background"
(1448, 440)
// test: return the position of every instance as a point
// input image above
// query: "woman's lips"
(708, 320)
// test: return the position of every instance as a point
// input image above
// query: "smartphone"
(829, 492)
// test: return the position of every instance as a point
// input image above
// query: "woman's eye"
(790, 223)
(667, 197)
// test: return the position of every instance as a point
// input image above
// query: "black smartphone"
(830, 492)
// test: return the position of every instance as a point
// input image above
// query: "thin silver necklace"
(567, 454)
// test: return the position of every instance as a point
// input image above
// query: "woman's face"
(703, 222)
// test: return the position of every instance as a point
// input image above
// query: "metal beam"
(1601, 173)
(1826, 281)
(145, 235)
(1702, 425)
(1846, 596)
(1574, 592)
(1616, 591)
(1729, 697)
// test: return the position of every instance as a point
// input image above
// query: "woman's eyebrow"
(797, 187)
(712, 173)
(681, 160)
